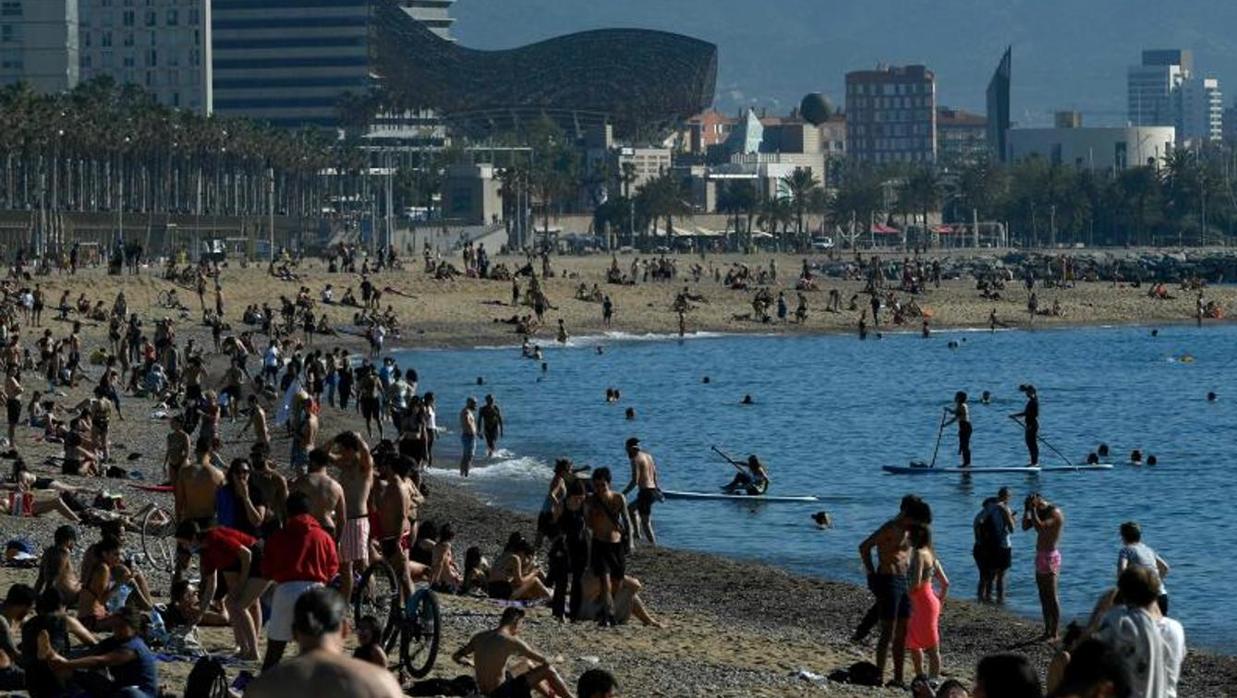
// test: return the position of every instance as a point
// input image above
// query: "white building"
(1098, 149)
(1201, 118)
(162, 46)
(39, 44)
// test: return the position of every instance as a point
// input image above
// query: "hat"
(632, 442)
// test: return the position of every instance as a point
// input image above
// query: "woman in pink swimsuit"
(923, 631)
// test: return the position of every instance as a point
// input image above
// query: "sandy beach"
(734, 628)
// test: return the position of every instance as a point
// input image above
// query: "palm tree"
(923, 192)
(776, 214)
(799, 187)
(736, 198)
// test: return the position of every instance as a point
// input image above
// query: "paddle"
(728, 459)
(1043, 441)
(939, 433)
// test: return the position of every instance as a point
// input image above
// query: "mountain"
(1067, 54)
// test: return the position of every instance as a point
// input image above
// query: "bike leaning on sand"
(414, 625)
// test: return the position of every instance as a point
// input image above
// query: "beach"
(734, 628)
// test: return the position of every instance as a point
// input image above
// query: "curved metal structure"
(636, 80)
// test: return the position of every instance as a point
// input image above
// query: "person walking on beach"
(887, 581)
(962, 415)
(610, 522)
(1048, 522)
(1135, 553)
(923, 635)
(491, 424)
(607, 311)
(1030, 422)
(468, 435)
(993, 547)
(643, 477)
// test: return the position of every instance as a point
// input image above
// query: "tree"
(923, 192)
(860, 197)
(799, 187)
(776, 215)
(663, 197)
(737, 198)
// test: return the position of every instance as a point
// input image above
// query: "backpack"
(208, 679)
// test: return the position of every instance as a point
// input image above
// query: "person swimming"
(630, 413)
(1211, 397)
(985, 398)
(1152, 460)
(1136, 457)
(1102, 450)
(747, 400)
(822, 519)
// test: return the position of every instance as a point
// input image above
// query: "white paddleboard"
(925, 470)
(669, 494)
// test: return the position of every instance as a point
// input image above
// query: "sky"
(1068, 54)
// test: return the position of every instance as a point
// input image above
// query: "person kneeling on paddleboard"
(754, 482)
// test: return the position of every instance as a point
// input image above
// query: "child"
(369, 635)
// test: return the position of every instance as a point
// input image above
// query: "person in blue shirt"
(125, 655)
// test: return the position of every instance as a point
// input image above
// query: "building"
(1099, 149)
(999, 105)
(1230, 123)
(39, 44)
(891, 115)
(471, 195)
(961, 136)
(162, 46)
(1152, 86)
(1201, 117)
(434, 14)
(706, 130)
(1067, 119)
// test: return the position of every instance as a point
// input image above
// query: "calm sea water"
(830, 411)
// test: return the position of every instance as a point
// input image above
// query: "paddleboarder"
(962, 415)
(754, 481)
(1030, 422)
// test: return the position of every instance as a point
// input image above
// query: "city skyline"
(771, 61)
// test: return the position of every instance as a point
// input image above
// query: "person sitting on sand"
(56, 566)
(187, 611)
(514, 576)
(494, 650)
(369, 642)
(444, 574)
(45, 634)
(627, 601)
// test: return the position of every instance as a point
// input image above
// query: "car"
(822, 243)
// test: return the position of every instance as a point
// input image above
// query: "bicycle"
(415, 626)
(158, 539)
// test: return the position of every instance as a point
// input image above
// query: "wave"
(592, 340)
(503, 467)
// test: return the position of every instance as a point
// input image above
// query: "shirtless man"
(1048, 521)
(17, 605)
(326, 496)
(644, 476)
(306, 437)
(321, 667)
(351, 455)
(177, 455)
(272, 485)
(56, 568)
(491, 424)
(887, 579)
(607, 516)
(392, 500)
(493, 649)
(257, 422)
(468, 435)
(196, 486)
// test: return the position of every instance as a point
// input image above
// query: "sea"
(828, 412)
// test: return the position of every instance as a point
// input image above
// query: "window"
(194, 17)
(127, 18)
(9, 33)
(10, 8)
(152, 18)
(128, 40)
(86, 39)
(173, 17)
(152, 58)
(128, 61)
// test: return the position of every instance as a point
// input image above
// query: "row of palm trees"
(107, 148)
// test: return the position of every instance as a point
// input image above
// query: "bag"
(208, 679)
(459, 686)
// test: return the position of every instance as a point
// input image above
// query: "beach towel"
(154, 488)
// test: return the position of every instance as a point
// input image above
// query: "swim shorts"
(645, 499)
(892, 600)
(513, 687)
(1000, 558)
(13, 405)
(468, 442)
(279, 628)
(609, 559)
(499, 590)
(354, 543)
(1048, 562)
(395, 544)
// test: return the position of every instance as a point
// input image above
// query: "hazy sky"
(1067, 53)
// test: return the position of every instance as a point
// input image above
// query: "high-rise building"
(435, 14)
(891, 114)
(1152, 86)
(289, 62)
(1201, 115)
(162, 46)
(39, 44)
(961, 136)
(999, 105)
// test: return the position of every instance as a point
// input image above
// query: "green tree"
(799, 186)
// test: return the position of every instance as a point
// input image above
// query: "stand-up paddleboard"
(926, 470)
(670, 494)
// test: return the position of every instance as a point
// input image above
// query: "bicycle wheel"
(418, 646)
(158, 544)
(377, 595)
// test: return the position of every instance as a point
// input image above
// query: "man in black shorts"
(493, 649)
(12, 402)
(608, 519)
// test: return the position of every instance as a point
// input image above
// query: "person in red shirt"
(238, 557)
(300, 557)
